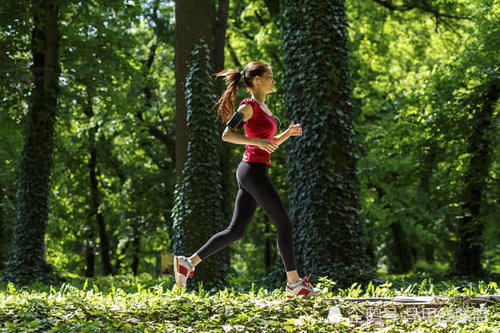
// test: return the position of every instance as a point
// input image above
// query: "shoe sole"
(178, 279)
(311, 294)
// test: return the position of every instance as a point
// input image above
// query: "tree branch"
(156, 132)
(234, 56)
(424, 6)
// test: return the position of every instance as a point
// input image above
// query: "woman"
(254, 186)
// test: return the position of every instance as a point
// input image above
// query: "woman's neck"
(259, 96)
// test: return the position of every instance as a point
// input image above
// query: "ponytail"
(226, 101)
(232, 78)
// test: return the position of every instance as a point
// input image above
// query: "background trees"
(423, 106)
(414, 92)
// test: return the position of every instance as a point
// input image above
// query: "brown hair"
(232, 78)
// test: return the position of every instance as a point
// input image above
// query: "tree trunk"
(136, 247)
(428, 202)
(324, 199)
(198, 210)
(268, 250)
(94, 194)
(193, 23)
(27, 261)
(89, 251)
(401, 256)
(399, 251)
(218, 63)
(273, 6)
(470, 227)
(4, 248)
(90, 228)
(220, 35)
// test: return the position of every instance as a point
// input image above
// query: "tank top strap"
(253, 103)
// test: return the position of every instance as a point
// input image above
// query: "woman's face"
(265, 82)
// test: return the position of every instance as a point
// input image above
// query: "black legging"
(255, 187)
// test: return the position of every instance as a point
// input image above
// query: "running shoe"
(301, 288)
(183, 269)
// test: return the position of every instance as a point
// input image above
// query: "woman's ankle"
(292, 277)
(195, 259)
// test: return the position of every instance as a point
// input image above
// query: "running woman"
(254, 185)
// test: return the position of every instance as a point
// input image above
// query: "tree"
(198, 210)
(471, 225)
(411, 162)
(324, 196)
(193, 22)
(95, 200)
(480, 104)
(28, 260)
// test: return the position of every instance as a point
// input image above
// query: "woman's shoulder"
(249, 100)
(247, 108)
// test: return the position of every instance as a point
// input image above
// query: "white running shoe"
(183, 269)
(301, 288)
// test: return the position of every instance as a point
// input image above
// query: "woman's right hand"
(267, 145)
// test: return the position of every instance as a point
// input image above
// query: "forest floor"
(131, 304)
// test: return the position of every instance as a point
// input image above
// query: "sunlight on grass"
(129, 304)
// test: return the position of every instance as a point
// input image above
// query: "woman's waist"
(253, 165)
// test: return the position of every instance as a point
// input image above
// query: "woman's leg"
(244, 208)
(292, 276)
(195, 259)
(255, 180)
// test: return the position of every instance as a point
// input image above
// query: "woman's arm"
(293, 130)
(234, 137)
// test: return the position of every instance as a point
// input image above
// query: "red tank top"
(262, 126)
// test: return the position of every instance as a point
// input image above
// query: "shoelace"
(191, 272)
(305, 281)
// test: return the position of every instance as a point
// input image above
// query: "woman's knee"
(235, 233)
(284, 224)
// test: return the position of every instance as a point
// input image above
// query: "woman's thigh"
(255, 180)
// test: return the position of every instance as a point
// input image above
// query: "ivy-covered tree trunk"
(471, 227)
(198, 209)
(324, 205)
(193, 21)
(28, 261)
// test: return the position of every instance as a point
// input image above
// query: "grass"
(129, 304)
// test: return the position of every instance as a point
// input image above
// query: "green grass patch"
(128, 304)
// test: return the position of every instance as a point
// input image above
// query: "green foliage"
(415, 84)
(135, 182)
(10, 138)
(15, 77)
(198, 212)
(128, 304)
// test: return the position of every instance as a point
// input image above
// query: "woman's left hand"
(295, 129)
